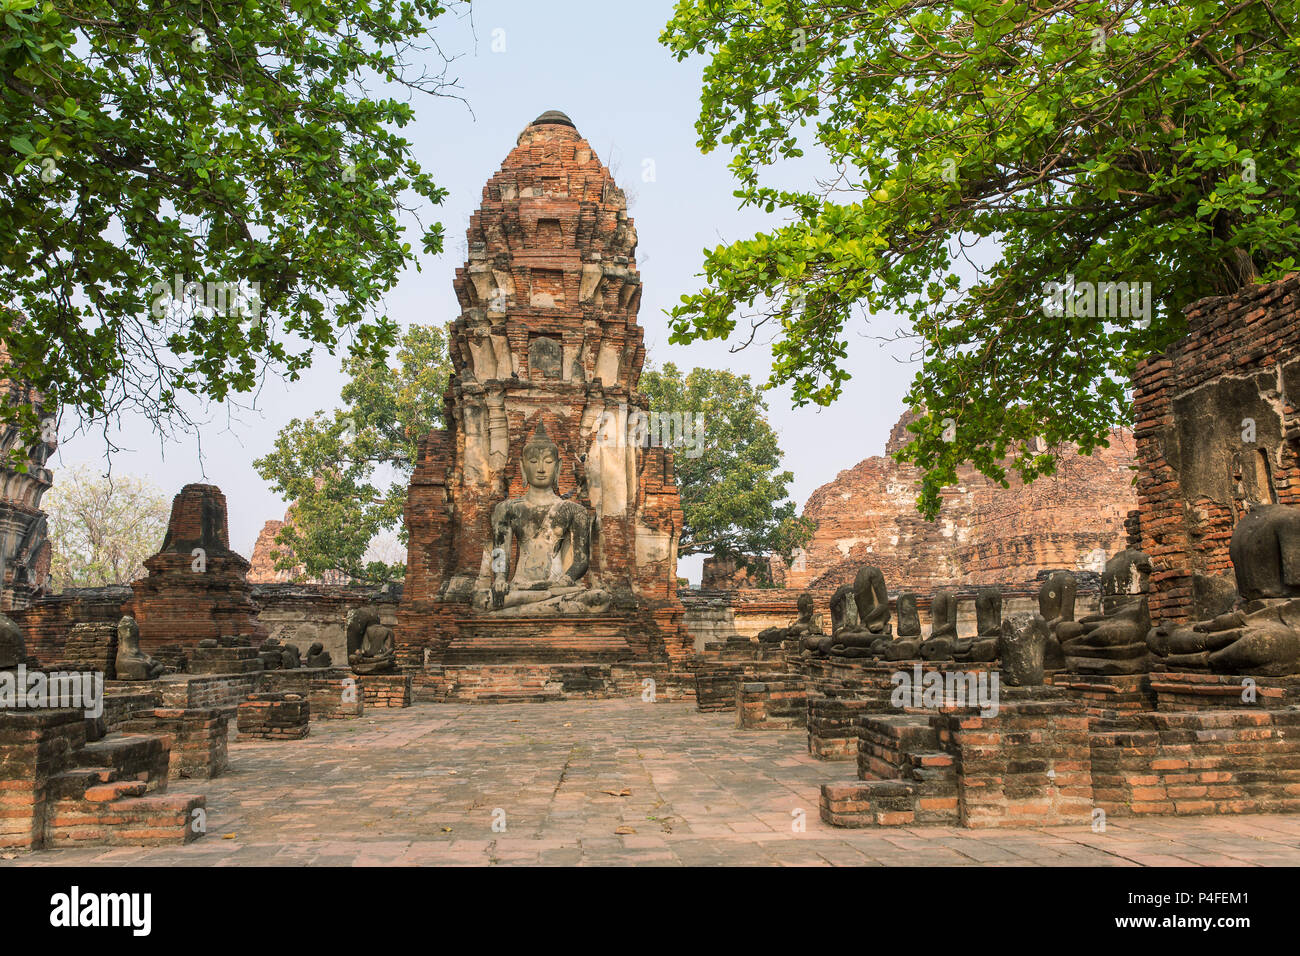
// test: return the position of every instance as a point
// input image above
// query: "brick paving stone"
(419, 787)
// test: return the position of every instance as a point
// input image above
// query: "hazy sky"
(601, 63)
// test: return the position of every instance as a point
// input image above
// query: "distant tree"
(146, 145)
(734, 497)
(102, 527)
(346, 472)
(1077, 142)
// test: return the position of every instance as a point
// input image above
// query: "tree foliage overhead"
(1137, 141)
(223, 142)
(347, 471)
(734, 498)
(102, 527)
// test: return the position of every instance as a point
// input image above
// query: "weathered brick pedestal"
(197, 739)
(336, 698)
(91, 647)
(1180, 692)
(56, 789)
(386, 690)
(1108, 696)
(723, 664)
(274, 717)
(1200, 762)
(1028, 765)
(772, 702)
(334, 693)
(832, 730)
(224, 659)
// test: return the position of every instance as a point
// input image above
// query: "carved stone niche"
(545, 357)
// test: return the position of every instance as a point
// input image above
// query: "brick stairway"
(57, 788)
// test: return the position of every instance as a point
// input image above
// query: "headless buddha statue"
(868, 636)
(1114, 641)
(371, 643)
(554, 537)
(988, 629)
(804, 629)
(943, 630)
(133, 663)
(1056, 608)
(1262, 634)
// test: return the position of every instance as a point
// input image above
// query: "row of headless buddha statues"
(860, 625)
(1256, 632)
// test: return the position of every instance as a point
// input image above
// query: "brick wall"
(1216, 427)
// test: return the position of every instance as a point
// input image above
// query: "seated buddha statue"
(906, 645)
(1114, 641)
(1056, 608)
(554, 537)
(1261, 635)
(868, 635)
(133, 663)
(943, 630)
(371, 647)
(803, 628)
(988, 629)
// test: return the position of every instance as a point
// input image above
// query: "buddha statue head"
(541, 461)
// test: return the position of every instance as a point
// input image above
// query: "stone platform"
(419, 787)
(540, 683)
(1031, 761)
(540, 640)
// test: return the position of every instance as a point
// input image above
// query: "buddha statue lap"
(1114, 641)
(1261, 635)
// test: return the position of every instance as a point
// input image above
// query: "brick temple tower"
(547, 334)
(25, 550)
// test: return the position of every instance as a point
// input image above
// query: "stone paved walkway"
(421, 786)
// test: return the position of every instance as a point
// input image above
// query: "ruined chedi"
(196, 587)
(984, 534)
(538, 531)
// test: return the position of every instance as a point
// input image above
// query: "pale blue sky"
(601, 63)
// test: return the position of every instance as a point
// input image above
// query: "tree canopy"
(733, 491)
(1076, 142)
(347, 471)
(194, 194)
(102, 527)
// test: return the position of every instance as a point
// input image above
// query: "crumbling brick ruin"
(1217, 425)
(984, 534)
(196, 588)
(1078, 741)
